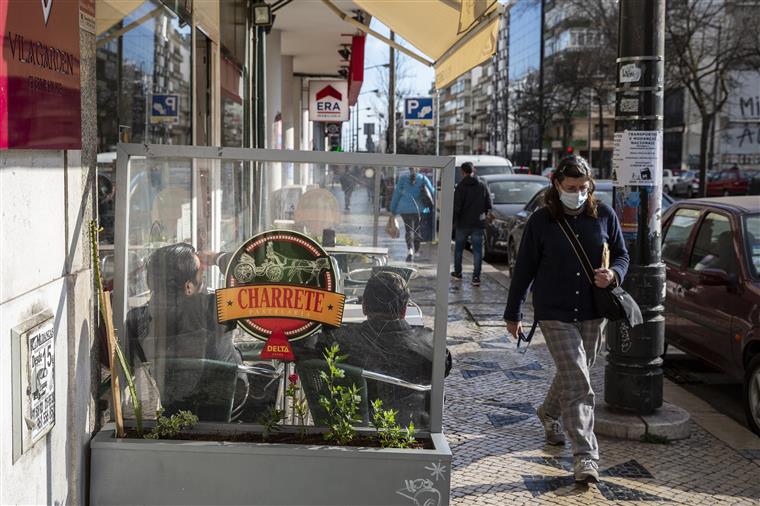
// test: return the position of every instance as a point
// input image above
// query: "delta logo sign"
(328, 100)
(280, 286)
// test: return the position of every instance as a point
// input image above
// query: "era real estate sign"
(39, 74)
(328, 100)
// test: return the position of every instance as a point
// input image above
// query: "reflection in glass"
(182, 234)
(145, 55)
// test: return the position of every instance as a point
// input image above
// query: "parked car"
(711, 249)
(509, 194)
(687, 184)
(669, 179)
(517, 222)
(485, 165)
(733, 181)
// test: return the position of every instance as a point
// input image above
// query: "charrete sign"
(39, 74)
(280, 286)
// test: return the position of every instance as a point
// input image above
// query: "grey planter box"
(132, 471)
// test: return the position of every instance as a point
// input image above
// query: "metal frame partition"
(446, 164)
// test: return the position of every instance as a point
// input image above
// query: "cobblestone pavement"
(497, 442)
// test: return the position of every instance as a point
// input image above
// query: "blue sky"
(377, 53)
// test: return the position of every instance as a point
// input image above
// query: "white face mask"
(573, 200)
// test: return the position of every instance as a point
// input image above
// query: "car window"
(488, 170)
(536, 202)
(728, 176)
(752, 241)
(514, 192)
(605, 196)
(714, 246)
(677, 235)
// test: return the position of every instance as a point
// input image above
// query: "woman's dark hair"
(169, 268)
(570, 166)
(385, 296)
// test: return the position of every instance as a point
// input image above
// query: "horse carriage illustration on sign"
(277, 268)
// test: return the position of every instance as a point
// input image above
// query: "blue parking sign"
(164, 109)
(418, 111)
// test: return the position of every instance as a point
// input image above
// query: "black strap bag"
(612, 303)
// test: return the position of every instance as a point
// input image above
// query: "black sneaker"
(475, 281)
(456, 275)
(409, 258)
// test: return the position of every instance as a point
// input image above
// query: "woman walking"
(563, 301)
(408, 202)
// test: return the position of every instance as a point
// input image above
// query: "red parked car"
(711, 249)
(733, 181)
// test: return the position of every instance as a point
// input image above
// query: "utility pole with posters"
(633, 377)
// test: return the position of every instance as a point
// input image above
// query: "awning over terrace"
(452, 35)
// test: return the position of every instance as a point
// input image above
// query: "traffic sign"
(164, 109)
(418, 111)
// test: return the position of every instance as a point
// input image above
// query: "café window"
(190, 273)
(144, 74)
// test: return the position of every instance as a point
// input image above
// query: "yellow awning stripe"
(434, 27)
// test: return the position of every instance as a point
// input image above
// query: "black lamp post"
(633, 377)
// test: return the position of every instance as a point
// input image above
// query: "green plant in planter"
(342, 403)
(168, 428)
(391, 434)
(270, 421)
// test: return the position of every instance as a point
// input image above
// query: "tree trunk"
(704, 137)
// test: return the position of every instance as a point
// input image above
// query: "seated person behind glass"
(180, 319)
(385, 343)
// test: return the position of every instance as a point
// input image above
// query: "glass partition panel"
(192, 224)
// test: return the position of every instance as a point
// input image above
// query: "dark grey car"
(509, 194)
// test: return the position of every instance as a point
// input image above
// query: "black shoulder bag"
(612, 303)
(426, 197)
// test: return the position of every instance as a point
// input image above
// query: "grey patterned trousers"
(574, 347)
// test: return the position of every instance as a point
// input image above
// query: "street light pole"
(633, 376)
(392, 98)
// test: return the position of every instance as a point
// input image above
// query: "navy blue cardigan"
(561, 290)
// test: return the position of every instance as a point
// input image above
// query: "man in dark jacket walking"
(472, 204)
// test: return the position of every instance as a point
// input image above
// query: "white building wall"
(44, 266)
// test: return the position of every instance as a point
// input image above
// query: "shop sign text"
(39, 75)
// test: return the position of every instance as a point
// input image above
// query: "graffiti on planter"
(437, 471)
(421, 492)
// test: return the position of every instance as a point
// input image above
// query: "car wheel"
(690, 193)
(726, 193)
(512, 257)
(666, 189)
(752, 394)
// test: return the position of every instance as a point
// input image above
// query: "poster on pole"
(637, 158)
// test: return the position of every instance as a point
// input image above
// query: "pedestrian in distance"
(563, 301)
(472, 206)
(408, 201)
(348, 182)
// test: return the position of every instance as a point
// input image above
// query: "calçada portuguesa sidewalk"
(498, 443)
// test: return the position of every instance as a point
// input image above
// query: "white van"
(485, 165)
